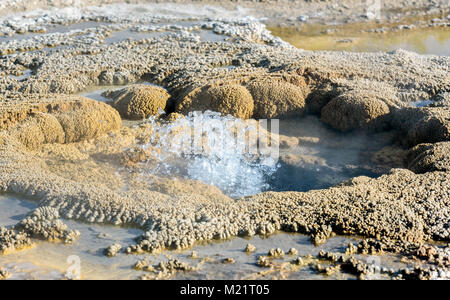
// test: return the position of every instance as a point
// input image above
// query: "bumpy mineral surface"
(76, 158)
(139, 101)
(232, 100)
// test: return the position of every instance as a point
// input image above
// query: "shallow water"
(13, 210)
(54, 28)
(323, 157)
(120, 36)
(52, 260)
(424, 41)
(420, 103)
(96, 92)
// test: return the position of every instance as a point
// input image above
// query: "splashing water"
(214, 149)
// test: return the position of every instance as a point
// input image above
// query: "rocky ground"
(67, 151)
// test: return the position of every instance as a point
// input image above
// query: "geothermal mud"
(358, 155)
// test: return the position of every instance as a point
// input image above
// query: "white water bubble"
(210, 148)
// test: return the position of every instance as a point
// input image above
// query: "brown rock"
(88, 120)
(433, 127)
(320, 97)
(38, 130)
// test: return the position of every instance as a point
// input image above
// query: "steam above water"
(214, 149)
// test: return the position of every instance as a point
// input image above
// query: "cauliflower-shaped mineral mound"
(433, 127)
(58, 119)
(277, 99)
(88, 119)
(139, 101)
(352, 110)
(229, 99)
(41, 129)
(319, 97)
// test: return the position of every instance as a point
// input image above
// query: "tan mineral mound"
(319, 97)
(139, 101)
(276, 99)
(228, 99)
(355, 109)
(422, 125)
(17, 107)
(88, 120)
(41, 129)
(430, 157)
(58, 119)
(434, 126)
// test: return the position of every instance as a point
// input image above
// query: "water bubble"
(213, 149)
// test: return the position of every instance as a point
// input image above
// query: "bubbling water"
(214, 149)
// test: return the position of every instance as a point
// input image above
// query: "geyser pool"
(232, 154)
